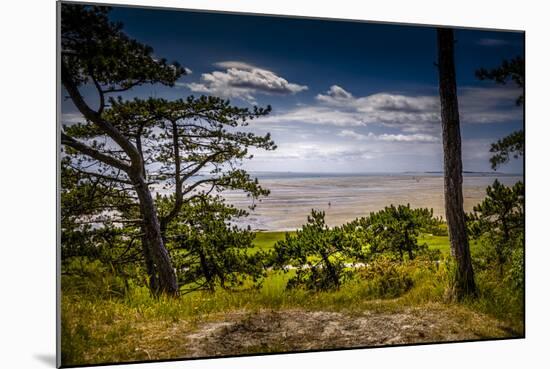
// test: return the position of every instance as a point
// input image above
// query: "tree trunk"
(146, 248)
(167, 281)
(149, 264)
(408, 242)
(206, 271)
(464, 284)
(331, 271)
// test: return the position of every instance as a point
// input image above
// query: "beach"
(345, 197)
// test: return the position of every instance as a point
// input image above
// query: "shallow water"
(346, 197)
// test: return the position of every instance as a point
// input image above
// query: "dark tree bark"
(178, 203)
(146, 247)
(409, 245)
(167, 282)
(464, 284)
(149, 264)
(331, 270)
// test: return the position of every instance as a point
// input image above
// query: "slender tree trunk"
(331, 270)
(464, 284)
(178, 202)
(167, 281)
(409, 245)
(146, 248)
(206, 271)
(149, 264)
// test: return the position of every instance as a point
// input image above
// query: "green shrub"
(516, 272)
(386, 278)
(318, 253)
(498, 222)
(394, 231)
(98, 278)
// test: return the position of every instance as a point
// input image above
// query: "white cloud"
(315, 151)
(410, 114)
(187, 71)
(243, 80)
(235, 65)
(348, 133)
(336, 95)
(339, 107)
(418, 137)
(322, 115)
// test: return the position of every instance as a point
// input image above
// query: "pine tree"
(464, 283)
(120, 143)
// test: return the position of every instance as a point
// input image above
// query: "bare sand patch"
(297, 330)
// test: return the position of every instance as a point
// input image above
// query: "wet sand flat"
(345, 198)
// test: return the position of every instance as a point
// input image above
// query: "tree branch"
(87, 150)
(95, 117)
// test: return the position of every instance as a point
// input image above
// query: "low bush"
(386, 278)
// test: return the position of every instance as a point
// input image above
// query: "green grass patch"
(266, 240)
(440, 243)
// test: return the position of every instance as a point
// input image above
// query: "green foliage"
(500, 297)
(84, 275)
(498, 221)
(386, 278)
(516, 273)
(510, 70)
(318, 252)
(395, 230)
(189, 147)
(95, 219)
(511, 145)
(207, 250)
(96, 50)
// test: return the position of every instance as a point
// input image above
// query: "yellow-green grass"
(132, 325)
(266, 240)
(442, 244)
(137, 326)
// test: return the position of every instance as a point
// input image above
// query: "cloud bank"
(243, 81)
(410, 114)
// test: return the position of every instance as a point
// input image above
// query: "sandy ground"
(297, 330)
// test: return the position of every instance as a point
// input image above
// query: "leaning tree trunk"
(146, 248)
(167, 282)
(463, 284)
(149, 263)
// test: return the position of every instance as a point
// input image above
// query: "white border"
(27, 152)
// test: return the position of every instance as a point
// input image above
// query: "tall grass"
(108, 317)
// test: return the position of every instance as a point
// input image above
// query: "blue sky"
(346, 96)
